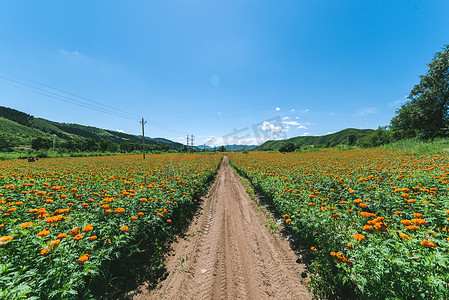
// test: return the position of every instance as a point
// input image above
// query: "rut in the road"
(229, 253)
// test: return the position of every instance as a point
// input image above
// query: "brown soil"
(228, 252)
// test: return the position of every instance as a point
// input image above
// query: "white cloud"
(293, 109)
(278, 109)
(305, 134)
(120, 130)
(301, 127)
(267, 126)
(366, 111)
(290, 122)
(285, 118)
(296, 118)
(330, 132)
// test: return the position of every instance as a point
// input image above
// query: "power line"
(74, 99)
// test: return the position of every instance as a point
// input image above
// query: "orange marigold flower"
(406, 222)
(168, 221)
(133, 218)
(428, 244)
(107, 211)
(140, 214)
(288, 221)
(368, 228)
(367, 214)
(398, 212)
(313, 249)
(143, 200)
(74, 231)
(124, 228)
(78, 237)
(412, 227)
(405, 195)
(61, 236)
(119, 210)
(93, 238)
(5, 238)
(69, 204)
(359, 237)
(357, 201)
(105, 206)
(363, 205)
(404, 236)
(333, 253)
(88, 228)
(63, 196)
(285, 216)
(419, 221)
(54, 243)
(26, 225)
(381, 227)
(418, 215)
(43, 233)
(83, 258)
(335, 215)
(160, 215)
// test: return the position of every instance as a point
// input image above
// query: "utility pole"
(143, 136)
(191, 140)
(188, 143)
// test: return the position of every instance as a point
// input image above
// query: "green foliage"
(325, 141)
(379, 137)
(41, 143)
(425, 115)
(287, 147)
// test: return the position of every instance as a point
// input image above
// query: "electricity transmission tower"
(143, 136)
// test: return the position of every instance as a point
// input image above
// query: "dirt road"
(228, 252)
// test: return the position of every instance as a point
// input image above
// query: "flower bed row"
(65, 222)
(376, 222)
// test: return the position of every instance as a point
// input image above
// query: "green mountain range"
(19, 129)
(345, 136)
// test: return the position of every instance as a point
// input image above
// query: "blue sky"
(264, 69)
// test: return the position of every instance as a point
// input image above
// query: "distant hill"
(19, 129)
(329, 140)
(239, 147)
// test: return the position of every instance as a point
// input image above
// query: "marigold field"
(375, 222)
(65, 222)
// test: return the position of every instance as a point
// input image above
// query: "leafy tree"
(426, 114)
(90, 145)
(287, 147)
(222, 149)
(108, 145)
(379, 137)
(41, 143)
(71, 145)
(5, 144)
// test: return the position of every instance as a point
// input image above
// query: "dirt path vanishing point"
(229, 253)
